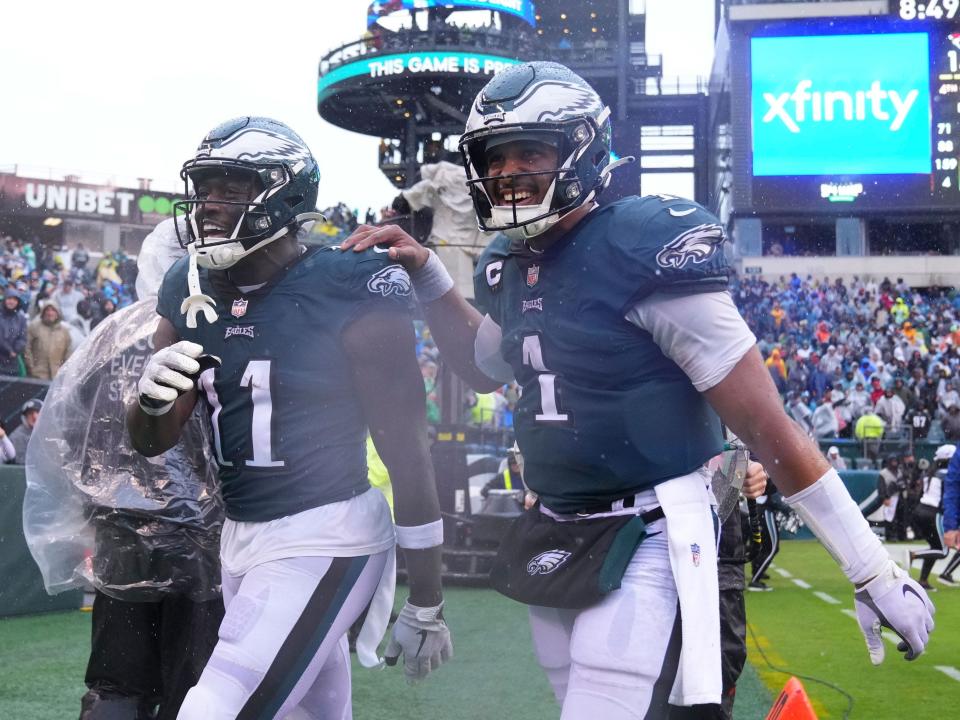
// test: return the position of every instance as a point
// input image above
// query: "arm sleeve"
(703, 333)
(486, 352)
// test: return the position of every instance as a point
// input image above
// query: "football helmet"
(287, 178)
(549, 103)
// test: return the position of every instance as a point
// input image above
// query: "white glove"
(894, 600)
(423, 638)
(167, 376)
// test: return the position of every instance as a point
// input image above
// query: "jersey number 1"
(533, 356)
(256, 376)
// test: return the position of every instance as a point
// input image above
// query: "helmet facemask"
(253, 228)
(577, 141)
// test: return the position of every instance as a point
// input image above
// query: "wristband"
(829, 511)
(420, 537)
(152, 406)
(431, 281)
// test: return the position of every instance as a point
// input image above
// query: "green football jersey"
(603, 413)
(288, 430)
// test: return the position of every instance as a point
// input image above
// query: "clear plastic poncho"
(96, 511)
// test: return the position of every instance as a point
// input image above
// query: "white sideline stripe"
(891, 638)
(802, 583)
(950, 672)
(826, 598)
(887, 635)
(782, 573)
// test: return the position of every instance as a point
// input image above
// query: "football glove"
(894, 600)
(167, 375)
(422, 637)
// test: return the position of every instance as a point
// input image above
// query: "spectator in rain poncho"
(143, 531)
(454, 234)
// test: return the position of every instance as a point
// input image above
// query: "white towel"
(378, 615)
(693, 557)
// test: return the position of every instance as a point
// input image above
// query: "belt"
(628, 502)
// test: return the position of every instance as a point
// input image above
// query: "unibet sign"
(841, 104)
(92, 201)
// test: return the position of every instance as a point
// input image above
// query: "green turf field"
(495, 675)
(809, 635)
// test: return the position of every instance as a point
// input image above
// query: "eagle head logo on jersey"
(696, 245)
(546, 562)
(392, 280)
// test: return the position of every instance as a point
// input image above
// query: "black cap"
(31, 404)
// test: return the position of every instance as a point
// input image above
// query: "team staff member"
(283, 342)
(510, 479)
(617, 324)
(769, 503)
(928, 516)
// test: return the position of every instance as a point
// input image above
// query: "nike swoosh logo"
(908, 589)
(423, 639)
(681, 213)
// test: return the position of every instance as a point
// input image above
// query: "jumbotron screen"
(850, 115)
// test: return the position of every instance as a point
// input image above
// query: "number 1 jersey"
(288, 430)
(603, 413)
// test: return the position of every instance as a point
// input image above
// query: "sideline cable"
(809, 678)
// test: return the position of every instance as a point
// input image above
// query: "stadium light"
(52, 221)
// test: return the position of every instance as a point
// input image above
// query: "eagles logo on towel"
(546, 562)
(695, 245)
(392, 280)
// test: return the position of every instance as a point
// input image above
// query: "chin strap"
(196, 302)
(605, 173)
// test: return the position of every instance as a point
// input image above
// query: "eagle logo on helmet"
(696, 245)
(392, 280)
(566, 100)
(546, 562)
(257, 145)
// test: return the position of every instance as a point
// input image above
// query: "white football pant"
(616, 660)
(283, 648)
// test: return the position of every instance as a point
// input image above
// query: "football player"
(291, 350)
(617, 324)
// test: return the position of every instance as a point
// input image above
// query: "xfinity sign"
(841, 105)
(792, 108)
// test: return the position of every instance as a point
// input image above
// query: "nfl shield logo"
(533, 274)
(239, 308)
(695, 554)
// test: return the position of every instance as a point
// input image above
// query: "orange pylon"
(792, 703)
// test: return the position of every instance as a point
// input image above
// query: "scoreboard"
(946, 71)
(852, 114)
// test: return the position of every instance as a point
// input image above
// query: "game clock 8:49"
(928, 9)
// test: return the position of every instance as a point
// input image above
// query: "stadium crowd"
(52, 299)
(861, 359)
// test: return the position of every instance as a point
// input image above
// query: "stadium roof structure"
(412, 75)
